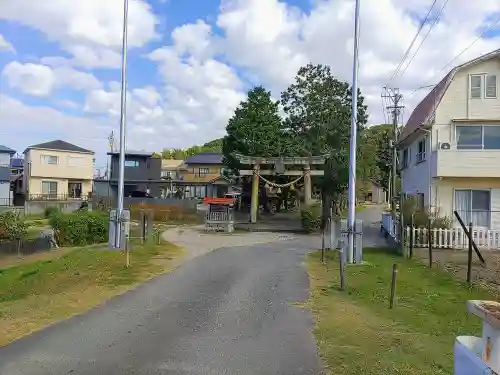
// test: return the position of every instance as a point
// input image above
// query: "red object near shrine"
(219, 201)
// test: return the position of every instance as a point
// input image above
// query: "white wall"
(5, 194)
(4, 159)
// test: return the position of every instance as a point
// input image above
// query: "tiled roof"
(17, 163)
(205, 158)
(59, 145)
(425, 110)
(6, 150)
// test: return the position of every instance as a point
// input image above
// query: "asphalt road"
(228, 312)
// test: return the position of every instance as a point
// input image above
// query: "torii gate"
(280, 164)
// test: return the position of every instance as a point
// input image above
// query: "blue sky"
(55, 86)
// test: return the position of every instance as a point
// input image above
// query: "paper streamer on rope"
(273, 184)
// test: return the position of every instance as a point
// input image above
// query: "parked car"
(139, 194)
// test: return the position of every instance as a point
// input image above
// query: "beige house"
(170, 168)
(58, 170)
(450, 146)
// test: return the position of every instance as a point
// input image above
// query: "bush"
(79, 228)
(12, 226)
(310, 217)
(166, 213)
(421, 216)
(49, 211)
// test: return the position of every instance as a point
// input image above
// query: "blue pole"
(351, 216)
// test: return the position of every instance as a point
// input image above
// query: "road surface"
(231, 311)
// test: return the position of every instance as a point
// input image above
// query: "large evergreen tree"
(256, 129)
(318, 114)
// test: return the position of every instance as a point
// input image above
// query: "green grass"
(35, 294)
(358, 334)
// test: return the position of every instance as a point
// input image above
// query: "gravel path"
(231, 311)
(197, 242)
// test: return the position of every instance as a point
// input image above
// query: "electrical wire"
(425, 84)
(422, 24)
(434, 23)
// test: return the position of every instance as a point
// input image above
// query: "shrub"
(421, 216)
(79, 228)
(49, 211)
(310, 217)
(166, 213)
(12, 226)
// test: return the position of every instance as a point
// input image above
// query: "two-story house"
(170, 169)
(57, 170)
(5, 190)
(450, 146)
(142, 173)
(202, 175)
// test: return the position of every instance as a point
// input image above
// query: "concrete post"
(255, 194)
(307, 185)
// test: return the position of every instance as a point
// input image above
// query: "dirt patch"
(455, 261)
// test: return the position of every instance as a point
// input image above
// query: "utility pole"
(351, 215)
(395, 110)
(123, 119)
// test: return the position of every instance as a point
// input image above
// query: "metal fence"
(25, 247)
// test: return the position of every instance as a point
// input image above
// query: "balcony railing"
(57, 197)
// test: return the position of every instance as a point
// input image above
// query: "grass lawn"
(34, 295)
(358, 334)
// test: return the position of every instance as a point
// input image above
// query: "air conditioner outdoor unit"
(444, 146)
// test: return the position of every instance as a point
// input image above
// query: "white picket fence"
(453, 238)
(390, 226)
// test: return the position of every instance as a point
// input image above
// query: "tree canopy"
(181, 154)
(255, 129)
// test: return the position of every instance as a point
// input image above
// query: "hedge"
(79, 228)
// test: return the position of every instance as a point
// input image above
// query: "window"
(49, 159)
(202, 172)
(131, 163)
(491, 137)
(478, 137)
(406, 157)
(475, 86)
(490, 90)
(76, 161)
(49, 188)
(420, 200)
(421, 151)
(74, 190)
(166, 174)
(473, 206)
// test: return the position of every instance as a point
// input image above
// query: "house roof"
(60, 146)
(425, 111)
(205, 158)
(16, 163)
(171, 163)
(6, 150)
(133, 153)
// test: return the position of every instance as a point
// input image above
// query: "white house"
(449, 150)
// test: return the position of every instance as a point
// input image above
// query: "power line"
(493, 24)
(426, 36)
(422, 24)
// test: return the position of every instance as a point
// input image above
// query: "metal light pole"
(351, 216)
(123, 118)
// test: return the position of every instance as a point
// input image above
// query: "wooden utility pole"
(394, 109)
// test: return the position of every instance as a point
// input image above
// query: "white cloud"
(5, 45)
(41, 80)
(271, 40)
(41, 123)
(264, 41)
(90, 30)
